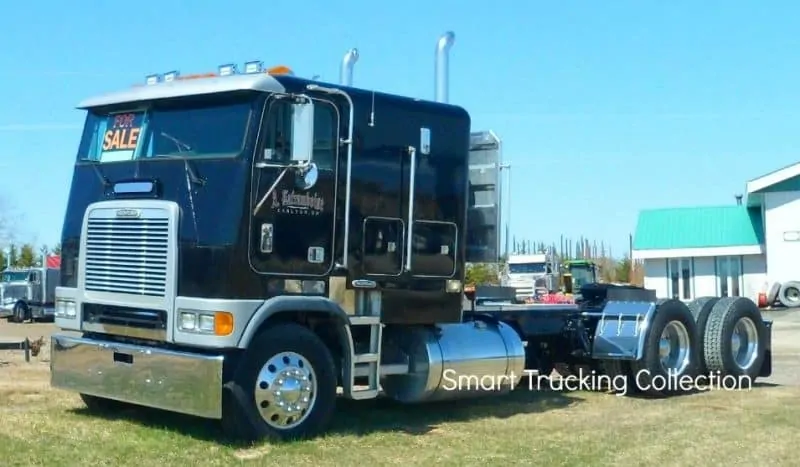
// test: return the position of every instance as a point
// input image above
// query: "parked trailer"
(261, 240)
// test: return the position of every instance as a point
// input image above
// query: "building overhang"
(699, 252)
(773, 181)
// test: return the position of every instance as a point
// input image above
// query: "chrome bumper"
(174, 381)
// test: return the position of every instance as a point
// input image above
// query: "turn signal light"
(223, 323)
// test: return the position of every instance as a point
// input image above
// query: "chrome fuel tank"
(454, 361)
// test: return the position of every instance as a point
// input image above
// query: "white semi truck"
(531, 274)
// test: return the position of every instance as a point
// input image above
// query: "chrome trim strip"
(126, 331)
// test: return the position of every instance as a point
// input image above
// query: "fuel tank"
(453, 361)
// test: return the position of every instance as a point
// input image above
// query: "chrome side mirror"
(302, 131)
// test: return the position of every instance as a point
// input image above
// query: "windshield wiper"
(96, 166)
(181, 145)
(188, 167)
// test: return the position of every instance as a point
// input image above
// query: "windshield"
(581, 275)
(526, 268)
(15, 276)
(170, 128)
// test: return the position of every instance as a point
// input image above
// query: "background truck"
(28, 293)
(262, 240)
(531, 274)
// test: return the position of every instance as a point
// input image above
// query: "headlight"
(66, 309)
(453, 286)
(218, 323)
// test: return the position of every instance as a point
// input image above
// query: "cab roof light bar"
(229, 69)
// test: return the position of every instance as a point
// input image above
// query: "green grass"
(43, 426)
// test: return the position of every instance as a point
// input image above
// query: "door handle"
(412, 151)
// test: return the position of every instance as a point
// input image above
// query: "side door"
(419, 239)
(292, 225)
(35, 281)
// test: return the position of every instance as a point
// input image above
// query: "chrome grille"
(127, 255)
(15, 291)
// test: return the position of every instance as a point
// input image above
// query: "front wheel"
(19, 313)
(285, 387)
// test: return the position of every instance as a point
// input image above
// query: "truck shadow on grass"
(365, 417)
(714, 387)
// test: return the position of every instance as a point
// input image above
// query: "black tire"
(649, 375)
(241, 417)
(789, 294)
(701, 308)
(19, 313)
(772, 294)
(621, 377)
(718, 345)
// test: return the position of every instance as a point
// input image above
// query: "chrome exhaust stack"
(443, 66)
(346, 72)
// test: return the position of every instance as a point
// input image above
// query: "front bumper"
(179, 382)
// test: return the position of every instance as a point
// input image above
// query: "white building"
(736, 250)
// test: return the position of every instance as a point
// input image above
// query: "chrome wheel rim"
(744, 343)
(285, 390)
(673, 348)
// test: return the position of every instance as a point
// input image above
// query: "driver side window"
(278, 143)
(326, 135)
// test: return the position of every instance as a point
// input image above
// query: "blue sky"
(605, 108)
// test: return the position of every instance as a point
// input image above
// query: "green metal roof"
(698, 227)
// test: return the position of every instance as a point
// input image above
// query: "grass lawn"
(42, 426)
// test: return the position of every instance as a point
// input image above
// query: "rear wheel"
(734, 341)
(701, 309)
(620, 377)
(669, 351)
(285, 387)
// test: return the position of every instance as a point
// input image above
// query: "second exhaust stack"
(346, 73)
(443, 66)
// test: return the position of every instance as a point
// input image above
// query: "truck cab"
(530, 274)
(28, 293)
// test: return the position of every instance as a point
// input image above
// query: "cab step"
(364, 320)
(366, 358)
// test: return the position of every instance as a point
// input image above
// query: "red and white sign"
(54, 261)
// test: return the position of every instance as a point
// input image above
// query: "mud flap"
(766, 367)
(621, 330)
